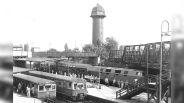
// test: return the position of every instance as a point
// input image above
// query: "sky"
(52, 23)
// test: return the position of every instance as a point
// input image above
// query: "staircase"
(142, 86)
(131, 90)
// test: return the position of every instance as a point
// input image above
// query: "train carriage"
(73, 88)
(70, 67)
(43, 88)
(119, 74)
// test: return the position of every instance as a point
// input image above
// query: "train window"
(53, 87)
(117, 71)
(108, 70)
(125, 72)
(41, 88)
(137, 73)
(80, 86)
(48, 87)
(75, 85)
(69, 85)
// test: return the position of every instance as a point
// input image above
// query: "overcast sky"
(52, 23)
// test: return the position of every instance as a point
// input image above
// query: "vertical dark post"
(147, 74)
(30, 64)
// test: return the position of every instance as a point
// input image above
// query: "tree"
(102, 49)
(111, 44)
(88, 48)
(99, 50)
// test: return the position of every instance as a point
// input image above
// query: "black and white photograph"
(92, 51)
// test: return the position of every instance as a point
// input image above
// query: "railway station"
(101, 72)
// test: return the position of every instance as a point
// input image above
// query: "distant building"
(97, 14)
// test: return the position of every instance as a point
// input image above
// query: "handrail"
(139, 84)
(130, 87)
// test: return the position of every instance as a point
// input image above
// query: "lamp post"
(163, 33)
(99, 72)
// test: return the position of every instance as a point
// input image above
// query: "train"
(69, 87)
(81, 70)
(43, 88)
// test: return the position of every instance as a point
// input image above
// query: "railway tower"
(97, 14)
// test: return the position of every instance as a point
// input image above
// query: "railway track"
(88, 99)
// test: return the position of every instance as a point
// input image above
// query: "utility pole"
(165, 33)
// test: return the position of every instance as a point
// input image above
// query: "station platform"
(24, 99)
(109, 93)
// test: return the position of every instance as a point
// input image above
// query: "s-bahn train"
(119, 74)
(72, 88)
(123, 74)
(43, 88)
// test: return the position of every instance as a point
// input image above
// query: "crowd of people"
(122, 84)
(27, 89)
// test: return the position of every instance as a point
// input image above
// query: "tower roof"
(98, 11)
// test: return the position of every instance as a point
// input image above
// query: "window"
(137, 73)
(125, 72)
(117, 71)
(75, 85)
(48, 87)
(69, 85)
(53, 87)
(108, 70)
(80, 86)
(41, 88)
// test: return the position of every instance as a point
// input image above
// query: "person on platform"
(119, 83)
(19, 87)
(106, 81)
(32, 91)
(122, 84)
(28, 91)
(114, 82)
(135, 83)
(126, 84)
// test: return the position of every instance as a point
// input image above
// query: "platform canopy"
(19, 69)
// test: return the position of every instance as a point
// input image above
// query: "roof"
(81, 54)
(38, 59)
(61, 77)
(79, 65)
(19, 69)
(98, 11)
(116, 68)
(33, 79)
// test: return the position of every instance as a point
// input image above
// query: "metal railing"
(130, 87)
(141, 84)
